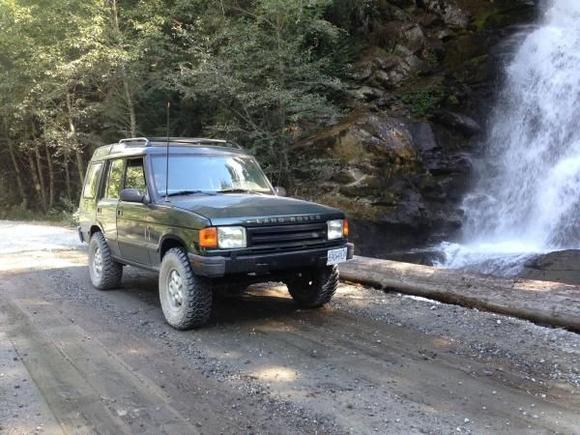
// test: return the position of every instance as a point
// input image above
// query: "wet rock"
(423, 136)
(414, 38)
(457, 121)
(560, 266)
(380, 69)
(366, 93)
(449, 11)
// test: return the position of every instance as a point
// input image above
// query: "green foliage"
(423, 101)
(75, 74)
(268, 73)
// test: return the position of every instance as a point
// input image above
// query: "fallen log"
(543, 302)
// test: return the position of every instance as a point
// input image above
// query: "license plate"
(336, 256)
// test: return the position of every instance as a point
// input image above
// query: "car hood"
(230, 209)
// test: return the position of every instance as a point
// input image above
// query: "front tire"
(186, 299)
(314, 288)
(105, 272)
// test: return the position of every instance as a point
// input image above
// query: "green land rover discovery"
(202, 214)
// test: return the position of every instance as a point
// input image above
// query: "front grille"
(286, 236)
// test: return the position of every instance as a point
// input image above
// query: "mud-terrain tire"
(314, 287)
(186, 299)
(105, 272)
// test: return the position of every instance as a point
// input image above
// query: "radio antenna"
(167, 156)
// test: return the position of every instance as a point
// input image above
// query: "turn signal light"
(345, 228)
(208, 238)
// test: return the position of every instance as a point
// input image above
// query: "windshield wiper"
(235, 190)
(187, 192)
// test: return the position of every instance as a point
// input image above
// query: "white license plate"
(336, 256)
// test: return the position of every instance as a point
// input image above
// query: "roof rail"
(147, 141)
(192, 140)
(135, 139)
(195, 141)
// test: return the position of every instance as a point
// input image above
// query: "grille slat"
(291, 236)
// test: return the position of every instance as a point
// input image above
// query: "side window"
(135, 175)
(92, 181)
(114, 179)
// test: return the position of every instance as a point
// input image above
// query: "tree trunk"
(284, 161)
(73, 133)
(126, 88)
(542, 302)
(37, 187)
(130, 107)
(19, 183)
(50, 177)
(41, 181)
(67, 176)
(80, 166)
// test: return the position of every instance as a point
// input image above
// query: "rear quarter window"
(92, 180)
(114, 179)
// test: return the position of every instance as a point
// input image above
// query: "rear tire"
(186, 299)
(105, 272)
(313, 288)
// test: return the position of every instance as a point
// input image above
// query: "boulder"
(414, 38)
(460, 122)
(378, 68)
(449, 11)
(423, 136)
(559, 266)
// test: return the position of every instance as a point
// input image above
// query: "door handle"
(119, 212)
(99, 210)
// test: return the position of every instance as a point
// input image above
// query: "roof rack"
(192, 140)
(195, 141)
(135, 139)
(148, 141)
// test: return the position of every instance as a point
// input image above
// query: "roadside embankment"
(544, 302)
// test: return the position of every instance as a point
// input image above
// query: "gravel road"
(77, 360)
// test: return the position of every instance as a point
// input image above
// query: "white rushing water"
(527, 197)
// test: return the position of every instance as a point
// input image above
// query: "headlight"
(231, 237)
(335, 229)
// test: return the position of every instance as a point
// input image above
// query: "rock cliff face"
(420, 90)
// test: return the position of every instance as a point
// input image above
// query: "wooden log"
(543, 302)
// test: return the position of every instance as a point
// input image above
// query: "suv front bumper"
(215, 267)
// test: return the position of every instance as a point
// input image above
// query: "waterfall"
(527, 195)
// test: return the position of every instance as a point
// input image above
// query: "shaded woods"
(76, 74)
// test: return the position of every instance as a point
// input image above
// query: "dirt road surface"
(77, 360)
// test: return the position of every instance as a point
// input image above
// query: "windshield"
(189, 174)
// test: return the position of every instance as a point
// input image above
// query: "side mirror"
(131, 195)
(279, 191)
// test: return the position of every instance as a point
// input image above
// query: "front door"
(132, 217)
(107, 205)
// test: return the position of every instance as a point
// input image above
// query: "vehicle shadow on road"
(263, 301)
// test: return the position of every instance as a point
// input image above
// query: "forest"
(76, 74)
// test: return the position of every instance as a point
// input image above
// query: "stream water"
(526, 199)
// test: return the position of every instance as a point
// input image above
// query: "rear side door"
(132, 218)
(108, 204)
